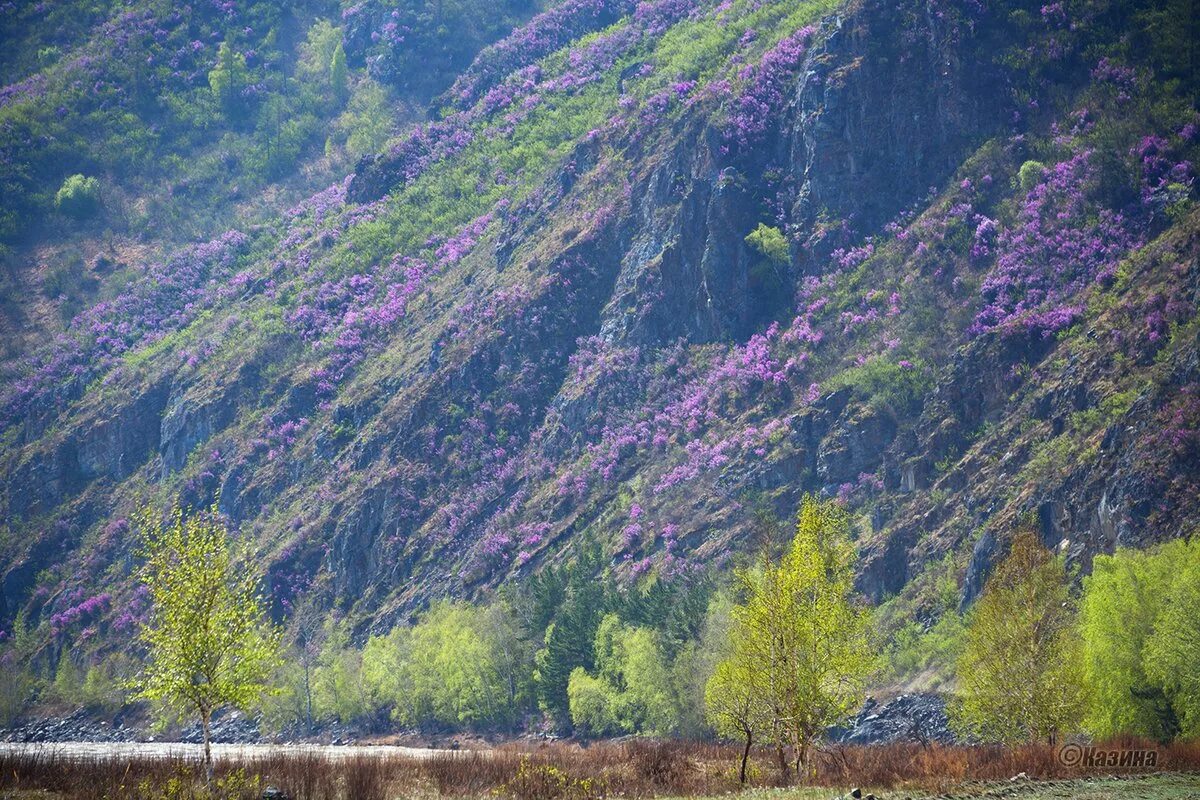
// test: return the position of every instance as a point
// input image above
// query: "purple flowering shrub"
(762, 87)
(1060, 244)
(166, 298)
(545, 33)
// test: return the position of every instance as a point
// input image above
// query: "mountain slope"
(656, 267)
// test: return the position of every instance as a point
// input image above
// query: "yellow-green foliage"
(366, 123)
(883, 382)
(548, 782)
(733, 695)
(78, 196)
(799, 640)
(1173, 650)
(1140, 618)
(454, 667)
(338, 688)
(19, 682)
(228, 77)
(771, 243)
(208, 639)
(1019, 677)
(1030, 174)
(339, 73)
(630, 691)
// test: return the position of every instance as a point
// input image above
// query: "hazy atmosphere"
(573, 399)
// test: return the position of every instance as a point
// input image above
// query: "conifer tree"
(570, 637)
(339, 74)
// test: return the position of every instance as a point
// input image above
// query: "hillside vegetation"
(566, 307)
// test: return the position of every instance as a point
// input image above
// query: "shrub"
(884, 383)
(79, 196)
(1030, 174)
(1019, 675)
(770, 242)
(661, 764)
(548, 782)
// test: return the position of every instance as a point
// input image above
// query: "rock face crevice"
(876, 119)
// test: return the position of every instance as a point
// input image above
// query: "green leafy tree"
(19, 684)
(920, 651)
(316, 54)
(68, 679)
(1173, 650)
(453, 663)
(770, 243)
(695, 663)
(802, 638)
(208, 640)
(1120, 607)
(460, 665)
(511, 655)
(733, 697)
(631, 690)
(367, 121)
(292, 703)
(338, 687)
(103, 684)
(1019, 675)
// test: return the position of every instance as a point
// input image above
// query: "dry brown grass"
(558, 771)
(940, 767)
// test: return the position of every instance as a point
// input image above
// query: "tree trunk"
(785, 769)
(205, 725)
(308, 712)
(746, 756)
(801, 759)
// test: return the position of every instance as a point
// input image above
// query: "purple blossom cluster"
(344, 316)
(1165, 179)
(30, 88)
(867, 483)
(1178, 428)
(705, 456)
(134, 612)
(595, 360)
(79, 612)
(874, 306)
(541, 36)
(166, 297)
(694, 408)
(1060, 244)
(763, 86)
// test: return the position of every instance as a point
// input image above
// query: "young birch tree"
(733, 698)
(1020, 674)
(802, 639)
(208, 640)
